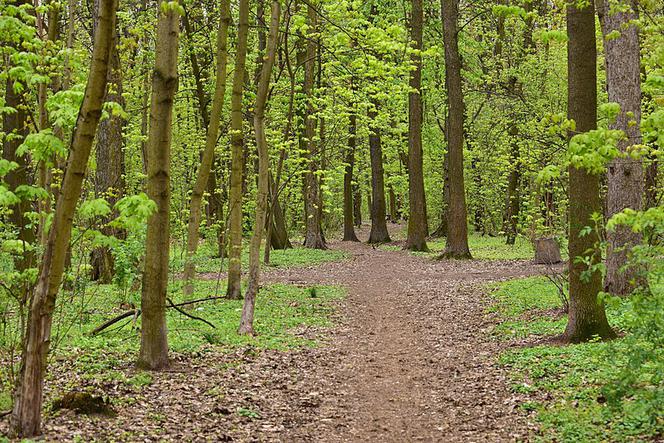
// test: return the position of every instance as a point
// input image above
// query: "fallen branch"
(186, 314)
(137, 312)
(111, 322)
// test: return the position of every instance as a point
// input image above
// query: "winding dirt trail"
(411, 359)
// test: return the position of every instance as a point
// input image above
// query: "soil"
(411, 358)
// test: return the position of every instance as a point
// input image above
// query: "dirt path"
(411, 360)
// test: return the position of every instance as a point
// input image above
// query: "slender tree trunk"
(234, 290)
(247, 320)
(313, 237)
(651, 173)
(379, 232)
(26, 414)
(513, 202)
(349, 229)
(417, 222)
(457, 212)
(441, 231)
(586, 312)
(207, 160)
(154, 340)
(394, 216)
(625, 175)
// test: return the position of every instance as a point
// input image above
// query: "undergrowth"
(591, 392)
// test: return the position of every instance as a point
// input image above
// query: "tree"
(247, 320)
(234, 290)
(379, 232)
(587, 317)
(417, 219)
(28, 397)
(349, 228)
(625, 177)
(312, 199)
(212, 135)
(457, 212)
(109, 180)
(154, 339)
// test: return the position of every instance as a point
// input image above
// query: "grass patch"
(207, 261)
(572, 389)
(487, 248)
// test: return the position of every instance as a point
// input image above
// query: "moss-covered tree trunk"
(417, 218)
(457, 211)
(247, 319)
(207, 160)
(587, 317)
(234, 290)
(26, 413)
(153, 353)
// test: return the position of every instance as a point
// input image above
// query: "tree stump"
(547, 251)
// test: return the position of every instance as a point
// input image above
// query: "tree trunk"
(357, 205)
(109, 176)
(417, 219)
(625, 175)
(16, 125)
(207, 160)
(441, 231)
(586, 313)
(379, 232)
(349, 229)
(247, 320)
(394, 216)
(313, 237)
(26, 414)
(457, 212)
(513, 202)
(234, 290)
(154, 341)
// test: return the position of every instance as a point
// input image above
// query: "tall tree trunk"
(26, 414)
(513, 201)
(16, 125)
(625, 175)
(379, 232)
(313, 204)
(247, 319)
(457, 212)
(394, 216)
(212, 135)
(441, 231)
(109, 176)
(234, 290)
(349, 229)
(154, 340)
(417, 219)
(357, 205)
(586, 312)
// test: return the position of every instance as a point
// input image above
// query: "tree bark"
(109, 176)
(26, 414)
(357, 205)
(625, 176)
(587, 317)
(513, 201)
(247, 319)
(417, 219)
(379, 232)
(234, 290)
(205, 168)
(349, 229)
(457, 212)
(154, 341)
(313, 237)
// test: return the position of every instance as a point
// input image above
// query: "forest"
(332, 220)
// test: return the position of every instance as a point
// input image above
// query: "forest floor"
(411, 357)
